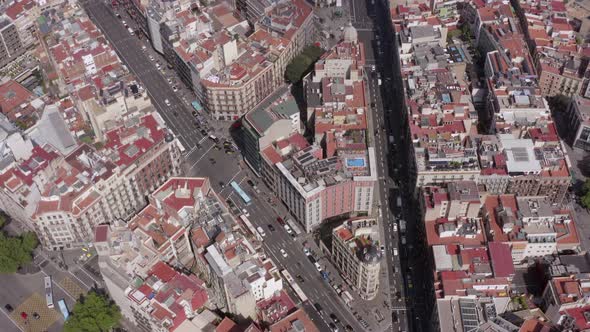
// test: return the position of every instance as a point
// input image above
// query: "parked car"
(167, 102)
(9, 308)
(283, 253)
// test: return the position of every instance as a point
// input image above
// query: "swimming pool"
(355, 162)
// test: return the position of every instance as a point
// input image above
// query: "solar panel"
(520, 154)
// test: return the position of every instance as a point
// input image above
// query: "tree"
(302, 63)
(16, 251)
(93, 313)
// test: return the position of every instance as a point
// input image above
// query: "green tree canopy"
(585, 199)
(93, 313)
(302, 63)
(16, 251)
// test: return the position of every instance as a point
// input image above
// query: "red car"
(280, 220)
(24, 315)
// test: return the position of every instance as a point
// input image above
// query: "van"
(261, 231)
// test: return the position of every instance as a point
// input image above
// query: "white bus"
(48, 292)
(294, 285)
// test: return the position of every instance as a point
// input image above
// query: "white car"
(167, 102)
(318, 266)
(151, 58)
(307, 251)
(143, 48)
(174, 88)
(157, 65)
(288, 229)
(244, 211)
(284, 253)
(123, 22)
(373, 68)
(394, 251)
(169, 81)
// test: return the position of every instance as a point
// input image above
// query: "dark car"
(222, 184)
(311, 259)
(250, 183)
(9, 308)
(348, 328)
(280, 220)
(318, 307)
(271, 227)
(204, 132)
(393, 317)
(300, 278)
(332, 326)
(36, 315)
(334, 318)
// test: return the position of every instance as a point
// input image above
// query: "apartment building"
(265, 125)
(532, 226)
(314, 188)
(24, 14)
(356, 254)
(537, 166)
(90, 188)
(578, 116)
(564, 293)
(11, 46)
(560, 73)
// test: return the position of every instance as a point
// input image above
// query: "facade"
(531, 226)
(11, 46)
(262, 126)
(356, 255)
(72, 202)
(578, 116)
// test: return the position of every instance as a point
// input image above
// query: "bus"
(240, 192)
(48, 292)
(294, 285)
(64, 309)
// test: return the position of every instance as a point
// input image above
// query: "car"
(333, 327)
(118, 15)
(284, 253)
(260, 231)
(169, 81)
(372, 104)
(280, 220)
(288, 228)
(318, 266)
(307, 251)
(271, 227)
(157, 65)
(248, 181)
(175, 113)
(317, 306)
(395, 253)
(334, 318)
(174, 88)
(36, 315)
(300, 279)
(394, 317)
(311, 259)
(143, 48)
(373, 68)
(123, 22)
(151, 58)
(382, 249)
(167, 102)
(9, 308)
(196, 124)
(348, 328)
(24, 315)
(204, 132)
(245, 212)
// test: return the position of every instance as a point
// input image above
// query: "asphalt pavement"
(176, 114)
